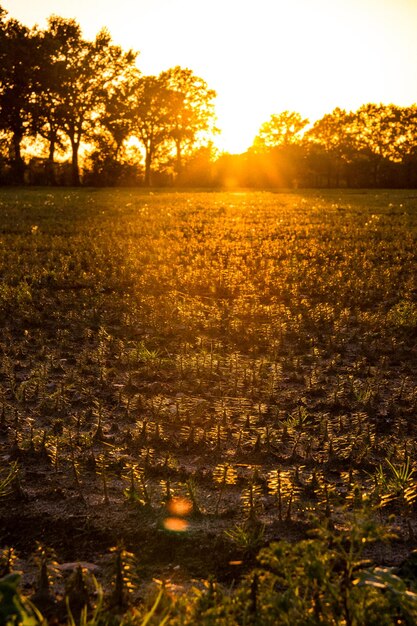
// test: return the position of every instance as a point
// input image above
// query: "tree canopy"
(191, 109)
(18, 60)
(282, 129)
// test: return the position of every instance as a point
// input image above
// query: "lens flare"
(175, 524)
(179, 506)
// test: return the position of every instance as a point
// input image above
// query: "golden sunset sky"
(261, 56)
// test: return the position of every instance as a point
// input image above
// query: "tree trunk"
(75, 170)
(18, 165)
(376, 171)
(50, 173)
(148, 162)
(179, 158)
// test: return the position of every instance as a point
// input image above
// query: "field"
(195, 375)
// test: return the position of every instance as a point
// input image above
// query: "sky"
(261, 56)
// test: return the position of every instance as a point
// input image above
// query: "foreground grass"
(197, 375)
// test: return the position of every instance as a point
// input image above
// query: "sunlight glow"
(263, 57)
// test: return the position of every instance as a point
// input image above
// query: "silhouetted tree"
(118, 117)
(408, 145)
(104, 168)
(81, 72)
(282, 129)
(17, 59)
(276, 154)
(376, 131)
(46, 105)
(330, 144)
(110, 162)
(152, 115)
(191, 109)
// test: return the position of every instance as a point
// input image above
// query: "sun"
(308, 57)
(237, 131)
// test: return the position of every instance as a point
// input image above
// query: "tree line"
(61, 93)
(63, 96)
(375, 146)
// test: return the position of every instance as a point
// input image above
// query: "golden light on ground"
(263, 57)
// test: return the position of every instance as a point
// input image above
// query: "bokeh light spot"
(175, 524)
(179, 506)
